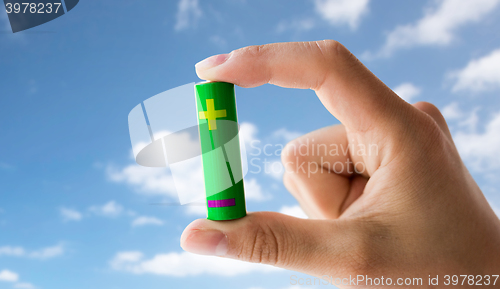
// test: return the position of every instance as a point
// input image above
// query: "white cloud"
(295, 211)
(471, 121)
(24, 285)
(274, 169)
(438, 26)
(184, 264)
(248, 133)
(335, 12)
(12, 251)
(188, 14)
(481, 150)
(271, 149)
(159, 181)
(145, 220)
(188, 175)
(407, 91)
(8, 276)
(196, 210)
(263, 154)
(253, 190)
(125, 257)
(187, 187)
(70, 214)
(286, 134)
(342, 12)
(146, 180)
(110, 209)
(44, 253)
(48, 252)
(452, 111)
(481, 74)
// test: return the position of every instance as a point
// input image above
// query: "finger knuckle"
(428, 108)
(361, 259)
(254, 50)
(333, 50)
(329, 44)
(425, 137)
(364, 252)
(264, 247)
(291, 152)
(430, 137)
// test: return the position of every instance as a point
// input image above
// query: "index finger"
(353, 94)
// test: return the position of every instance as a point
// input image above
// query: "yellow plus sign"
(211, 114)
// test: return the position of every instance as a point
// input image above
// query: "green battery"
(220, 148)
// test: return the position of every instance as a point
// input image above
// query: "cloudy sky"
(77, 212)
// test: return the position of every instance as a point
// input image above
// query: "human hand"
(411, 210)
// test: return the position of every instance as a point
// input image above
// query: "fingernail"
(206, 242)
(211, 62)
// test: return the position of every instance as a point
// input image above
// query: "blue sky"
(76, 212)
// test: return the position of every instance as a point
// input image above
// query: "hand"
(411, 210)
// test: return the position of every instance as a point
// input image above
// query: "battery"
(220, 148)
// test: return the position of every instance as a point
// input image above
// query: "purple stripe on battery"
(222, 203)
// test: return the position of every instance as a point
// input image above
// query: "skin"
(413, 211)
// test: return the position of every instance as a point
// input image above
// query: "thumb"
(432, 111)
(316, 247)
